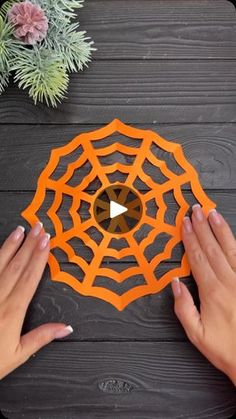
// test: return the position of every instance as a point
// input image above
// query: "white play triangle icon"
(116, 209)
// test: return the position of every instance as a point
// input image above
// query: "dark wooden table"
(169, 66)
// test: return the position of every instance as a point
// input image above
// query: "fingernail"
(214, 216)
(187, 225)
(17, 233)
(176, 287)
(62, 333)
(197, 210)
(44, 241)
(37, 228)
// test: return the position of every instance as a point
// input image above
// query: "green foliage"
(5, 40)
(4, 79)
(72, 46)
(63, 35)
(8, 47)
(61, 9)
(43, 69)
(5, 7)
(43, 74)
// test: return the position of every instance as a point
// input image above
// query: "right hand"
(211, 250)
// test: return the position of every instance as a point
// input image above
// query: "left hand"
(21, 268)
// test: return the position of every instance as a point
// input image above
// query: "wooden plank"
(125, 29)
(130, 379)
(211, 148)
(118, 380)
(136, 92)
(149, 318)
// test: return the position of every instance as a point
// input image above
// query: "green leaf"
(73, 47)
(43, 73)
(4, 79)
(43, 69)
(8, 50)
(61, 9)
(6, 7)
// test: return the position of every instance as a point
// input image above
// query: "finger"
(10, 246)
(187, 312)
(14, 269)
(200, 267)
(28, 283)
(34, 340)
(224, 236)
(17, 265)
(209, 245)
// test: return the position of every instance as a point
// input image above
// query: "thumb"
(187, 312)
(34, 340)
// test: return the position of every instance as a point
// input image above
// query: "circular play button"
(117, 209)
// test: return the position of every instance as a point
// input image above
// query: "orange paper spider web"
(87, 141)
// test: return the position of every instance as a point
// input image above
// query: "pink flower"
(29, 21)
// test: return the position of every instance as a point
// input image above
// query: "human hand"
(21, 269)
(211, 251)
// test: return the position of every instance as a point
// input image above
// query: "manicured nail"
(37, 228)
(215, 216)
(44, 241)
(197, 210)
(176, 288)
(187, 225)
(62, 333)
(18, 233)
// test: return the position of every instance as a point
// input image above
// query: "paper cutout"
(116, 228)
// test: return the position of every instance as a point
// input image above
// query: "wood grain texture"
(149, 318)
(211, 148)
(160, 30)
(65, 379)
(165, 65)
(136, 92)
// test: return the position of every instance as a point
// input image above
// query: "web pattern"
(93, 163)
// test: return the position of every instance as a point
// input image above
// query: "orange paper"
(117, 227)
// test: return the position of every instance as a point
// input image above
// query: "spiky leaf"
(60, 9)
(73, 46)
(43, 73)
(6, 7)
(8, 49)
(4, 79)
